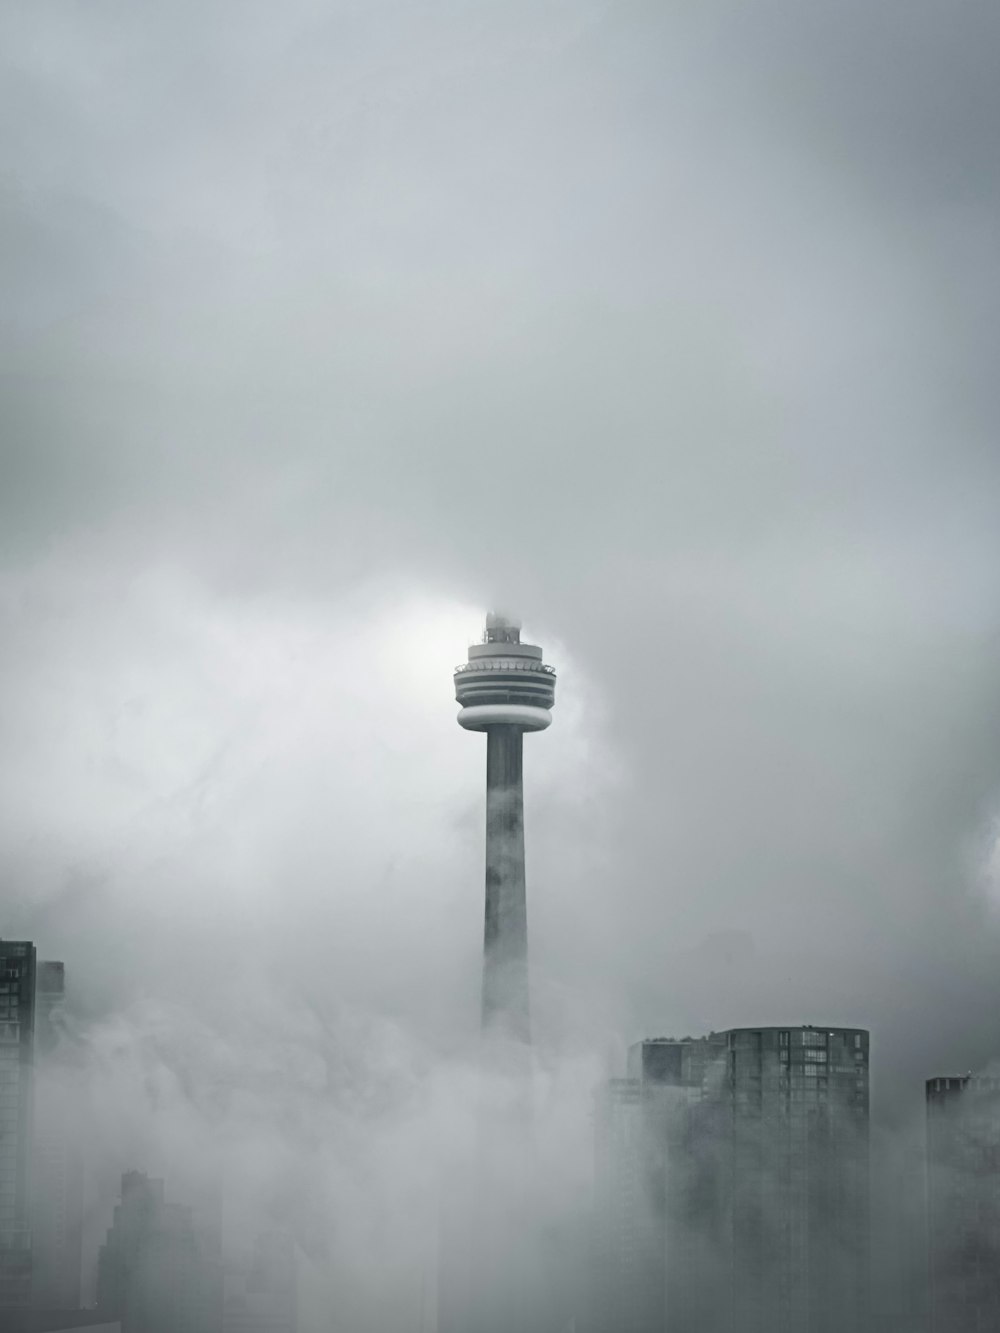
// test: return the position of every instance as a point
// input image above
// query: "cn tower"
(505, 689)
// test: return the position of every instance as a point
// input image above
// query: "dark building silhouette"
(732, 1185)
(156, 1271)
(800, 1178)
(17, 1033)
(57, 1169)
(963, 1197)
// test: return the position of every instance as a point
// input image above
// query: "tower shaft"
(505, 942)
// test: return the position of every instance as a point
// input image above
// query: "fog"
(328, 326)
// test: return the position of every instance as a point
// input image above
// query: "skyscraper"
(17, 1030)
(57, 1172)
(505, 690)
(155, 1271)
(799, 1208)
(963, 1179)
(658, 1178)
(628, 1246)
(739, 1170)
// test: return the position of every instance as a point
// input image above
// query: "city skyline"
(665, 1268)
(716, 1150)
(329, 326)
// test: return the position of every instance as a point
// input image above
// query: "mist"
(328, 327)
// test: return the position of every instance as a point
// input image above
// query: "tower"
(490, 1276)
(504, 690)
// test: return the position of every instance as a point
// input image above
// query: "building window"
(782, 1038)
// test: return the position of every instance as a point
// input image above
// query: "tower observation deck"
(505, 689)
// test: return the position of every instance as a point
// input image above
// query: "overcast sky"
(672, 328)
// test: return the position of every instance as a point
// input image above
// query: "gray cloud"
(673, 328)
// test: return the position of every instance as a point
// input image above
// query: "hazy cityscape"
(732, 1173)
(372, 961)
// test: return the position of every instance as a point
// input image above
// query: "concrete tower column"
(505, 940)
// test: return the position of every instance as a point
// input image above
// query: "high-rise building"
(799, 1099)
(156, 1272)
(899, 1231)
(504, 690)
(629, 1247)
(17, 1030)
(57, 1171)
(734, 1172)
(656, 1189)
(963, 1196)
